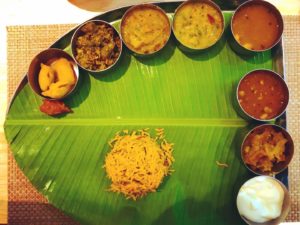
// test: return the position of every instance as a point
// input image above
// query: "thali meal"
(96, 45)
(137, 162)
(57, 79)
(198, 24)
(263, 148)
(257, 25)
(263, 94)
(260, 199)
(145, 29)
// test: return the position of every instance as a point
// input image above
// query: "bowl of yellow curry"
(198, 24)
(53, 74)
(145, 29)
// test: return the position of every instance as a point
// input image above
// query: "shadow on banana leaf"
(192, 211)
(210, 209)
(117, 71)
(161, 56)
(229, 211)
(261, 57)
(82, 90)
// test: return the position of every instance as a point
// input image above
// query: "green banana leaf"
(190, 96)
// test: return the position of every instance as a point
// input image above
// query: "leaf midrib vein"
(222, 122)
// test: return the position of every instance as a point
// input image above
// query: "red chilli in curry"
(263, 94)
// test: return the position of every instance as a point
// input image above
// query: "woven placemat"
(292, 72)
(27, 206)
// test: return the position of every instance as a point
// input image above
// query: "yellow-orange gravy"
(145, 29)
(256, 27)
(263, 95)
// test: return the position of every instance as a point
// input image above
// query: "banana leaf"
(190, 96)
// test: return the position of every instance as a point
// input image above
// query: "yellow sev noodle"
(137, 163)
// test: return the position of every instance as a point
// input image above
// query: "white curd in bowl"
(260, 199)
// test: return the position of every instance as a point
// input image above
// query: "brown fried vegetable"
(54, 107)
(262, 150)
(98, 47)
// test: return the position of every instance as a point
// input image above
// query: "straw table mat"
(27, 206)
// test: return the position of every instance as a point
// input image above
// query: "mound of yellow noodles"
(137, 163)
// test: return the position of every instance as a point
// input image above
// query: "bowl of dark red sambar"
(262, 95)
(257, 26)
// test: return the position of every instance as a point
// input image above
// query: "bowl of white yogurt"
(263, 200)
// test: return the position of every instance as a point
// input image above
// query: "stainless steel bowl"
(45, 57)
(240, 49)
(245, 114)
(79, 33)
(181, 44)
(284, 209)
(138, 7)
(279, 166)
